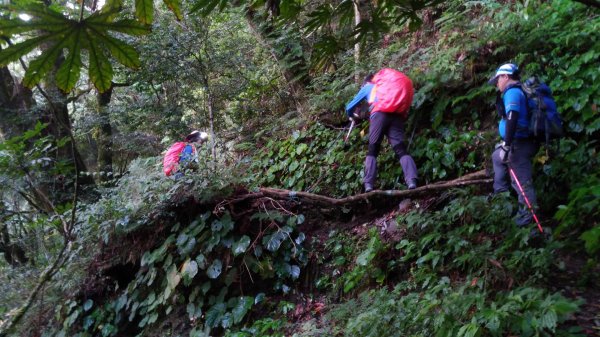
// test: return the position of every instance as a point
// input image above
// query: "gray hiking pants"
(390, 125)
(520, 160)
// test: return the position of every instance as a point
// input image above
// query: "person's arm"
(512, 104)
(362, 94)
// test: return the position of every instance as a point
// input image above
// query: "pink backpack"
(171, 159)
(393, 92)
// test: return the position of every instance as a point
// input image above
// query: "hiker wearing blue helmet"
(518, 147)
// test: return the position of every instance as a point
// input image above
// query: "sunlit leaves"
(243, 305)
(215, 269)
(144, 11)
(240, 246)
(205, 7)
(175, 7)
(70, 69)
(60, 32)
(39, 67)
(13, 53)
(100, 71)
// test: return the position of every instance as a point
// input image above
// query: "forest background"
(95, 241)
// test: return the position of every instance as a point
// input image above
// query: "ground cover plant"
(87, 252)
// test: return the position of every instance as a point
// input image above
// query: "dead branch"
(476, 178)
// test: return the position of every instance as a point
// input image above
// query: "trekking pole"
(512, 173)
(349, 131)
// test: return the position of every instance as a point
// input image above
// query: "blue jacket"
(513, 108)
(363, 94)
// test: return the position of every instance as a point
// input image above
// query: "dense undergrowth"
(158, 257)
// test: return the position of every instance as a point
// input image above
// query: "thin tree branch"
(44, 277)
(475, 178)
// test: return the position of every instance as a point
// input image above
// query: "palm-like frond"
(57, 32)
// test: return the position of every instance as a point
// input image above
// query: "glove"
(503, 153)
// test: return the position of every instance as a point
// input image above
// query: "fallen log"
(479, 177)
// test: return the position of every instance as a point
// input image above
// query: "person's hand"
(504, 152)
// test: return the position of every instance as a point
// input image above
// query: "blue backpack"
(545, 122)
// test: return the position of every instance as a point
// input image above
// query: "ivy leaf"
(189, 268)
(216, 226)
(193, 311)
(215, 269)
(301, 237)
(241, 246)
(301, 148)
(226, 321)
(88, 305)
(259, 298)
(175, 7)
(215, 314)
(295, 272)
(241, 308)
(201, 261)
(144, 11)
(173, 277)
(275, 240)
(225, 223)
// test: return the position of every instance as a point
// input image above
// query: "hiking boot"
(412, 184)
(368, 188)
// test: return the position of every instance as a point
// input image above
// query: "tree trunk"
(357, 20)
(15, 104)
(56, 115)
(13, 253)
(296, 76)
(212, 124)
(104, 136)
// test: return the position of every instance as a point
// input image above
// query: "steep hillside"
(274, 237)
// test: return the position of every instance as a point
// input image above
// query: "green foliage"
(266, 327)
(450, 153)
(454, 264)
(461, 236)
(349, 264)
(62, 32)
(453, 310)
(318, 20)
(199, 267)
(314, 160)
(582, 213)
(365, 265)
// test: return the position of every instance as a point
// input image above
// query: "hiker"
(518, 147)
(389, 94)
(183, 156)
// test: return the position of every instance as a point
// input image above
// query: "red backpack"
(393, 92)
(171, 159)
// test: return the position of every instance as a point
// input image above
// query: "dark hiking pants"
(520, 160)
(392, 126)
